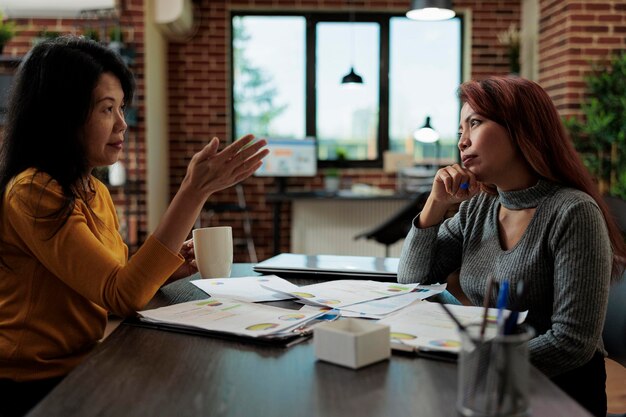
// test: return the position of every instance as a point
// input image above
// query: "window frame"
(312, 18)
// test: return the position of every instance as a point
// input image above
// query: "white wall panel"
(329, 226)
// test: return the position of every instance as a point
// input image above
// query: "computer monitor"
(289, 158)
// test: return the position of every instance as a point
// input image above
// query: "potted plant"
(116, 39)
(600, 136)
(91, 33)
(510, 38)
(7, 31)
(332, 175)
(45, 34)
(332, 179)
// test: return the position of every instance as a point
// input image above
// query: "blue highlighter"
(464, 186)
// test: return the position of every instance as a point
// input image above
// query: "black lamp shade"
(439, 4)
(352, 78)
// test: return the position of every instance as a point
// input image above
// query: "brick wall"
(572, 35)
(489, 18)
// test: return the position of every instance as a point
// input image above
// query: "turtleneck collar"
(527, 198)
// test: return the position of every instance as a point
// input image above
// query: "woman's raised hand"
(210, 171)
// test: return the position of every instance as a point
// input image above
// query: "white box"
(353, 343)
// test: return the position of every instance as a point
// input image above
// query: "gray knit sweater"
(564, 258)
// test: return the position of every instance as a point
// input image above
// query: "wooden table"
(145, 372)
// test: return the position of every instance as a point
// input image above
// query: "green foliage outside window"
(7, 31)
(91, 33)
(254, 92)
(600, 136)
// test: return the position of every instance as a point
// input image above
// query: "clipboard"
(234, 319)
(282, 341)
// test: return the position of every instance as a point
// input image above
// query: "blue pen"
(501, 305)
(511, 322)
(464, 186)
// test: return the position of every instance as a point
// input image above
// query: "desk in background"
(145, 372)
(336, 217)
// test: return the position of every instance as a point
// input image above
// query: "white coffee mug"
(213, 247)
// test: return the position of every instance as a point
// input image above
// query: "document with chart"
(247, 288)
(342, 293)
(425, 326)
(382, 307)
(230, 316)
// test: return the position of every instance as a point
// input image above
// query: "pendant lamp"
(430, 10)
(352, 78)
(426, 133)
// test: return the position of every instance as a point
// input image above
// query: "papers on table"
(230, 316)
(378, 309)
(231, 310)
(364, 299)
(355, 298)
(247, 288)
(342, 293)
(425, 326)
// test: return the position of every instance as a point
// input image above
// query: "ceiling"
(47, 8)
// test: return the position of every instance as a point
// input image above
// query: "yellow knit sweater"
(58, 287)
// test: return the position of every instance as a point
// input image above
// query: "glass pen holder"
(493, 373)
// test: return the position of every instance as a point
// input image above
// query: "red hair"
(535, 127)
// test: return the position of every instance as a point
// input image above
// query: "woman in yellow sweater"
(63, 264)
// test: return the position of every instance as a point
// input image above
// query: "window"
(287, 73)
(269, 81)
(347, 117)
(424, 74)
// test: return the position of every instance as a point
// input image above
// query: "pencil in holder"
(493, 373)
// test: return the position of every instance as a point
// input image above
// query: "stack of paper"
(231, 316)
(355, 298)
(231, 310)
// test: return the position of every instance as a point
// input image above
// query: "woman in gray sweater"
(529, 212)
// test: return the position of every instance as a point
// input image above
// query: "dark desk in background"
(145, 372)
(277, 199)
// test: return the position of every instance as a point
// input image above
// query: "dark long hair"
(49, 104)
(534, 125)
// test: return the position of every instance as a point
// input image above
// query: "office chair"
(617, 207)
(397, 226)
(614, 332)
